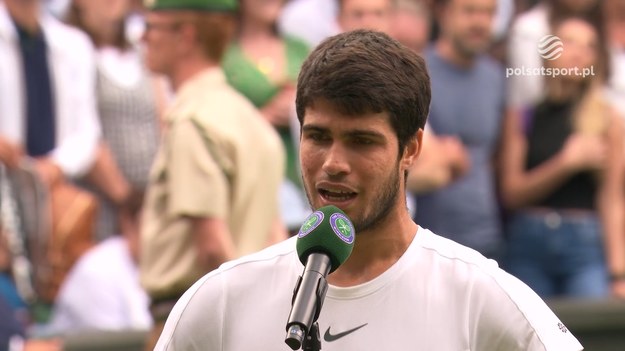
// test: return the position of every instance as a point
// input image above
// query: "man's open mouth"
(336, 195)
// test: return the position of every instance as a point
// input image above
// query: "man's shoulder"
(495, 297)
(492, 68)
(449, 249)
(64, 36)
(210, 94)
(278, 254)
(464, 264)
(222, 112)
(246, 274)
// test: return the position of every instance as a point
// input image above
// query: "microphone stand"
(312, 283)
(313, 339)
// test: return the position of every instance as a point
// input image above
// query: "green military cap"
(199, 5)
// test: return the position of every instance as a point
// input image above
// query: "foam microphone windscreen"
(328, 231)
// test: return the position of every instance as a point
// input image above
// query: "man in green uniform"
(213, 189)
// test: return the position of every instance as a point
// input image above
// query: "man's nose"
(336, 161)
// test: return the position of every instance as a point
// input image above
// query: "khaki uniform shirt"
(219, 159)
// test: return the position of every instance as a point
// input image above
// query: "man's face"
(411, 28)
(264, 11)
(352, 163)
(365, 14)
(103, 12)
(468, 25)
(160, 39)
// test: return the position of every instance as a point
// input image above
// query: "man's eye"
(317, 137)
(363, 141)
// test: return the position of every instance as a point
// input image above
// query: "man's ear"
(412, 149)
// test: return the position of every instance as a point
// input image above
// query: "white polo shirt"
(438, 296)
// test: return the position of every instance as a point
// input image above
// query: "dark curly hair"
(366, 71)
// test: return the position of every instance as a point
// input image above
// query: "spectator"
(371, 14)
(128, 106)
(102, 291)
(410, 24)
(310, 20)
(263, 66)
(525, 34)
(468, 104)
(213, 191)
(48, 126)
(562, 174)
(442, 159)
(47, 100)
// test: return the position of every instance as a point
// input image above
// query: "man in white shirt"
(47, 92)
(362, 102)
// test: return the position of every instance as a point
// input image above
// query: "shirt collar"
(207, 79)
(48, 23)
(7, 29)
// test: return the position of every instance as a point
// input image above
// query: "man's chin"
(472, 50)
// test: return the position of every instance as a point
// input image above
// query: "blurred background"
(523, 156)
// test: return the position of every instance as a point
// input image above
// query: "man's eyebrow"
(313, 128)
(364, 133)
(350, 133)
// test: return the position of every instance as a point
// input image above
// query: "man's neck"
(25, 13)
(375, 251)
(446, 50)
(187, 70)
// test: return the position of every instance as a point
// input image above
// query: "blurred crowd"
(141, 149)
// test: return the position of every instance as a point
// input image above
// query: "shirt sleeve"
(198, 185)
(204, 302)
(79, 122)
(507, 315)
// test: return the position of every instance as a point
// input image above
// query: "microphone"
(324, 242)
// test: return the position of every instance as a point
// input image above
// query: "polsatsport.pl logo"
(550, 47)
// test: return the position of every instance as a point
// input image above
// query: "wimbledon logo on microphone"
(342, 227)
(310, 223)
(550, 47)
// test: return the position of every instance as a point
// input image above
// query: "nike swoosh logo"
(329, 337)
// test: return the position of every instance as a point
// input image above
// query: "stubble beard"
(382, 205)
(467, 50)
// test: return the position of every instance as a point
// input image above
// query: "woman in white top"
(128, 106)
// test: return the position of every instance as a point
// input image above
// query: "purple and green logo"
(310, 224)
(342, 227)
